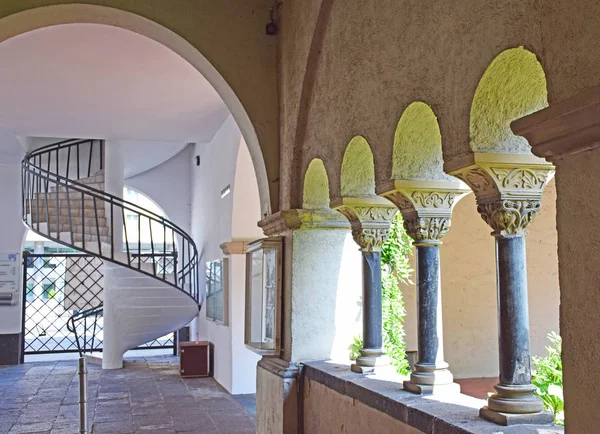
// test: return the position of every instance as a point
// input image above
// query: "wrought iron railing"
(61, 204)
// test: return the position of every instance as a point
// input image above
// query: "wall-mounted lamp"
(272, 25)
(197, 158)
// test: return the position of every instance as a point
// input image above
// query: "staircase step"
(63, 189)
(78, 228)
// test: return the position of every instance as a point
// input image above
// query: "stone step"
(79, 229)
(63, 189)
(63, 218)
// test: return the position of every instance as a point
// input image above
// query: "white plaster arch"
(46, 16)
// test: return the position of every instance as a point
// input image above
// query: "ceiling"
(98, 81)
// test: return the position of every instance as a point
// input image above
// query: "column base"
(369, 361)
(432, 389)
(515, 399)
(507, 419)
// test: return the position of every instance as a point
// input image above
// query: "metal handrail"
(37, 182)
(82, 315)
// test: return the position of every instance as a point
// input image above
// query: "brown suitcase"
(194, 359)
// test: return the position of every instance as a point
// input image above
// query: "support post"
(82, 372)
(426, 207)
(509, 191)
(370, 219)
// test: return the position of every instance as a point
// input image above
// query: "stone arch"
(512, 86)
(358, 169)
(417, 152)
(316, 186)
(45, 16)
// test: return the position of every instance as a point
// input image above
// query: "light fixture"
(225, 191)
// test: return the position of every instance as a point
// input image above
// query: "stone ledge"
(444, 414)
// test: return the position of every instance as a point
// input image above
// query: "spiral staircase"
(147, 294)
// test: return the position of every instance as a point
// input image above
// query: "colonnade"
(508, 189)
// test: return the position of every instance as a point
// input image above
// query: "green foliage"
(547, 377)
(395, 269)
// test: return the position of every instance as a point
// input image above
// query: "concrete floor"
(147, 396)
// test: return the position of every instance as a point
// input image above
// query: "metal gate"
(62, 305)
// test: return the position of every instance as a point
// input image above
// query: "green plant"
(395, 269)
(547, 378)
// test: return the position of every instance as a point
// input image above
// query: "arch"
(358, 169)
(417, 152)
(316, 186)
(512, 86)
(46, 16)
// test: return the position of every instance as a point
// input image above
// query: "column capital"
(298, 219)
(426, 206)
(370, 219)
(508, 187)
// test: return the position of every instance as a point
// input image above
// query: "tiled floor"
(147, 396)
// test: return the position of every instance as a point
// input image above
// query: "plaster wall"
(327, 411)
(12, 234)
(469, 287)
(325, 305)
(371, 63)
(169, 186)
(224, 162)
(578, 188)
(231, 37)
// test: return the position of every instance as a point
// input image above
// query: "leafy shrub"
(395, 269)
(547, 377)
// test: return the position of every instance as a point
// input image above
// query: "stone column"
(370, 219)
(426, 207)
(509, 191)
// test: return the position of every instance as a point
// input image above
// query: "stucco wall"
(327, 411)
(169, 186)
(211, 225)
(231, 37)
(578, 244)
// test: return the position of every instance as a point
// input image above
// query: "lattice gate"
(58, 287)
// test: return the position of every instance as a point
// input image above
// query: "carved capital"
(297, 219)
(509, 217)
(370, 219)
(508, 188)
(427, 230)
(425, 205)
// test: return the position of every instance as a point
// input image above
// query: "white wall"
(12, 229)
(214, 221)
(169, 185)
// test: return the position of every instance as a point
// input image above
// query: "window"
(216, 290)
(48, 291)
(132, 217)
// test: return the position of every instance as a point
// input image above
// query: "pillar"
(313, 243)
(370, 219)
(509, 191)
(114, 172)
(567, 134)
(426, 207)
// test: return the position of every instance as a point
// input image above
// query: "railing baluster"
(152, 246)
(82, 221)
(69, 213)
(139, 238)
(126, 237)
(58, 208)
(68, 161)
(97, 227)
(101, 154)
(112, 230)
(77, 155)
(90, 159)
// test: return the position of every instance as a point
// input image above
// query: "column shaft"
(431, 349)
(513, 316)
(372, 302)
